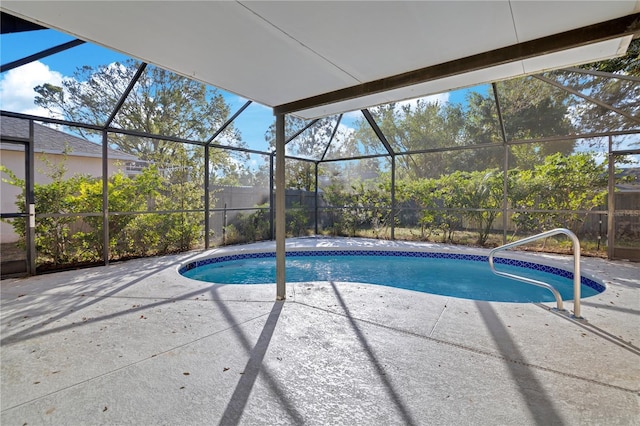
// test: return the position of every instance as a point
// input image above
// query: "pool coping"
(309, 246)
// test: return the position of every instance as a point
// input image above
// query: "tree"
(522, 187)
(415, 127)
(161, 103)
(530, 109)
(572, 183)
(564, 185)
(444, 201)
(421, 194)
(355, 206)
(483, 199)
(620, 93)
(310, 144)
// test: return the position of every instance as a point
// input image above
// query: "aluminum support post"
(316, 198)
(207, 198)
(505, 164)
(105, 197)
(272, 200)
(611, 201)
(281, 291)
(393, 197)
(30, 202)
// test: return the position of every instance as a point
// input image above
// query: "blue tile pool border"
(397, 253)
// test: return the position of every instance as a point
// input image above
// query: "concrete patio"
(136, 343)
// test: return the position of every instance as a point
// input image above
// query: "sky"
(17, 94)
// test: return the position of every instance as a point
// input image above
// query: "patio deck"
(135, 343)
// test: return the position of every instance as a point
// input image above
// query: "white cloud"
(346, 130)
(16, 87)
(353, 115)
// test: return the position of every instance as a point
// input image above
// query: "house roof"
(52, 141)
(317, 58)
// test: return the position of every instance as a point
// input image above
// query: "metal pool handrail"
(576, 266)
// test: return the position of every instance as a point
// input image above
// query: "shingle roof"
(52, 141)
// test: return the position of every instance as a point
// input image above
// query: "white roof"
(283, 52)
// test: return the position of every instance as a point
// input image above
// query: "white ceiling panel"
(277, 53)
(535, 19)
(388, 38)
(220, 43)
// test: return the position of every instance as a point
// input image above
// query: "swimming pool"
(466, 276)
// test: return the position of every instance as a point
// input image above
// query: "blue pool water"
(464, 276)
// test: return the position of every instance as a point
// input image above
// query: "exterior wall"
(14, 160)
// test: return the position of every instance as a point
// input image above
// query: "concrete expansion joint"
(472, 349)
(595, 330)
(139, 361)
(439, 317)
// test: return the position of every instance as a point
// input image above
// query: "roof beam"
(333, 135)
(378, 131)
(299, 132)
(588, 98)
(228, 122)
(603, 74)
(602, 31)
(503, 129)
(125, 94)
(42, 54)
